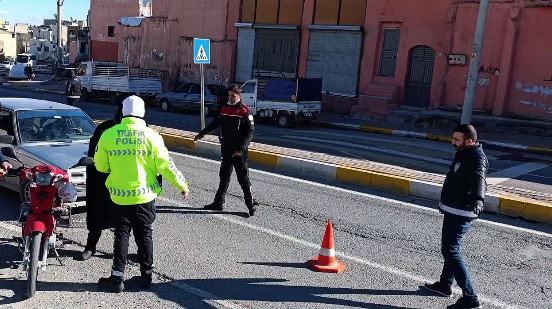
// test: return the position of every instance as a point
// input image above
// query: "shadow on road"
(197, 211)
(261, 289)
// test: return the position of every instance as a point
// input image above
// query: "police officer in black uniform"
(236, 132)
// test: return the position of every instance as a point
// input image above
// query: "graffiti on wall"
(534, 89)
(489, 70)
(214, 74)
(539, 96)
(539, 105)
(484, 82)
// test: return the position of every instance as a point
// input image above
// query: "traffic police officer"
(236, 132)
(134, 155)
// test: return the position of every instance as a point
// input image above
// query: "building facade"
(373, 56)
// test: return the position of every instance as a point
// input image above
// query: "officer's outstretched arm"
(166, 167)
(210, 127)
(101, 159)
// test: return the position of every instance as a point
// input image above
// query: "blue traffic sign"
(202, 51)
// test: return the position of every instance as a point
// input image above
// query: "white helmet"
(68, 193)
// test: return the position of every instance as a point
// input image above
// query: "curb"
(426, 136)
(506, 205)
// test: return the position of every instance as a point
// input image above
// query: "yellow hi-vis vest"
(134, 155)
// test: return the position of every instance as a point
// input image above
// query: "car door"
(7, 132)
(193, 100)
(249, 95)
(178, 98)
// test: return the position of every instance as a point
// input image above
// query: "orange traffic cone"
(326, 260)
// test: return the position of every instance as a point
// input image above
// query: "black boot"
(252, 208)
(213, 206)
(466, 302)
(145, 281)
(112, 284)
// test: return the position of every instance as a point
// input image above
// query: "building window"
(111, 31)
(389, 51)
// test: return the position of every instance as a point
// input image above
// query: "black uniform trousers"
(241, 165)
(139, 219)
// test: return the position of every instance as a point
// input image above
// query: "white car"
(6, 64)
(17, 71)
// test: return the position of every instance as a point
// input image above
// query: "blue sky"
(34, 11)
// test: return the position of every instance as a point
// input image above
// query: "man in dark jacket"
(462, 200)
(98, 200)
(72, 89)
(236, 132)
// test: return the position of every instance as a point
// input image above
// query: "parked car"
(187, 96)
(44, 132)
(6, 64)
(17, 71)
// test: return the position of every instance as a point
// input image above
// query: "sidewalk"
(512, 141)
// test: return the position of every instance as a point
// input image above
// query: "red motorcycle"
(50, 189)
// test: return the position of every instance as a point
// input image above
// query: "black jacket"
(98, 199)
(465, 185)
(236, 127)
(72, 87)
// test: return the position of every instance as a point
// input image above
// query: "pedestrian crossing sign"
(202, 51)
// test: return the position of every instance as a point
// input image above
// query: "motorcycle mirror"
(9, 152)
(86, 161)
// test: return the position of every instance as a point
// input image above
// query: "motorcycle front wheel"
(32, 269)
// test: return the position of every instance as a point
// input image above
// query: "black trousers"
(139, 219)
(240, 164)
(93, 239)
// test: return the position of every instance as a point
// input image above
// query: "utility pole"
(59, 41)
(471, 87)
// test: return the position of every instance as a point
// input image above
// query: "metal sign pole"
(202, 97)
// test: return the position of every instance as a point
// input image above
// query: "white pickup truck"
(113, 80)
(284, 100)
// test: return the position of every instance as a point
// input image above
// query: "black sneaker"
(253, 208)
(213, 206)
(86, 255)
(466, 303)
(112, 284)
(145, 281)
(439, 288)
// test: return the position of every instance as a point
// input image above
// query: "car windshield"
(39, 126)
(23, 58)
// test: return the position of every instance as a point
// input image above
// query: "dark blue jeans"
(454, 230)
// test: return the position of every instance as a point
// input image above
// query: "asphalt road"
(209, 260)
(513, 169)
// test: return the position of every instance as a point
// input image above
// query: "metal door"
(420, 76)
(276, 53)
(334, 56)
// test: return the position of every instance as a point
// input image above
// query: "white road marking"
(388, 269)
(514, 171)
(377, 149)
(381, 198)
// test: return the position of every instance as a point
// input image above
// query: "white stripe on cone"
(327, 252)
